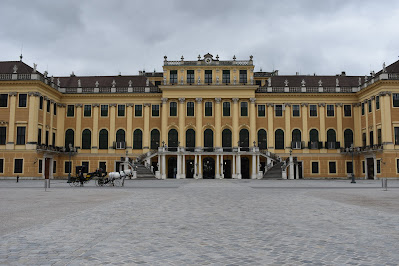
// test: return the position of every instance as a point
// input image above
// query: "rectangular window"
(39, 136)
(157, 83)
(40, 166)
(347, 110)
(379, 141)
(173, 109)
(369, 103)
(22, 100)
(48, 106)
(47, 137)
(18, 166)
(190, 76)
(54, 167)
(55, 109)
(378, 166)
(155, 109)
(3, 135)
(243, 76)
(397, 166)
(138, 110)
(104, 110)
(103, 166)
(371, 138)
(70, 110)
(53, 140)
(226, 76)
(313, 110)
(362, 108)
(1, 166)
(396, 135)
(295, 110)
(208, 76)
(121, 109)
(258, 83)
(208, 108)
(330, 110)
(173, 76)
(21, 135)
(349, 167)
(395, 99)
(278, 108)
(3, 100)
(364, 139)
(363, 167)
(315, 167)
(41, 102)
(261, 110)
(332, 167)
(226, 109)
(190, 108)
(87, 110)
(244, 109)
(85, 167)
(377, 102)
(68, 168)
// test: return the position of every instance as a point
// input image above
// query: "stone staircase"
(274, 173)
(144, 173)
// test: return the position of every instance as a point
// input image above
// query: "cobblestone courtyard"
(200, 222)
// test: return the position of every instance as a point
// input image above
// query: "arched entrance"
(172, 167)
(208, 167)
(244, 168)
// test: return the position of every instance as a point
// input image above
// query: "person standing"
(81, 177)
(17, 178)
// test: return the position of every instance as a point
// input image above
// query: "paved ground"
(200, 222)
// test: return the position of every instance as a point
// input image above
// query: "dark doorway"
(208, 167)
(155, 166)
(244, 168)
(47, 169)
(190, 169)
(119, 167)
(172, 167)
(227, 168)
(370, 168)
(262, 167)
(300, 175)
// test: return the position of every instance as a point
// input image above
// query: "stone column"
(183, 164)
(111, 136)
(254, 168)
(239, 176)
(218, 123)
(198, 122)
(235, 121)
(50, 170)
(217, 175)
(199, 166)
(297, 172)
(146, 133)
(339, 116)
(252, 121)
(305, 129)
(78, 131)
(164, 121)
(94, 145)
(44, 128)
(129, 128)
(178, 166)
(195, 167)
(375, 135)
(291, 170)
(233, 170)
(11, 121)
(366, 117)
(357, 132)
(60, 139)
(270, 127)
(288, 133)
(221, 166)
(322, 117)
(182, 123)
(163, 167)
(50, 137)
(33, 120)
(386, 126)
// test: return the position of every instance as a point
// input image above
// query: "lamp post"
(351, 149)
(69, 168)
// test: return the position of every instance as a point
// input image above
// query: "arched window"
(348, 138)
(120, 135)
(190, 139)
(314, 139)
(331, 139)
(296, 139)
(226, 138)
(279, 139)
(208, 138)
(69, 138)
(137, 139)
(173, 138)
(154, 139)
(86, 139)
(103, 139)
(244, 138)
(262, 139)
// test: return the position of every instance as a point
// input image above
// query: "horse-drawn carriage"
(114, 178)
(86, 177)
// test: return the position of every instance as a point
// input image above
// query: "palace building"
(205, 118)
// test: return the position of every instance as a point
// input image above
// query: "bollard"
(385, 184)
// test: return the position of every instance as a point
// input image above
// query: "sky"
(100, 37)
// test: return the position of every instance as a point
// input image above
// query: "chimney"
(343, 73)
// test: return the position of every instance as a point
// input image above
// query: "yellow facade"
(195, 95)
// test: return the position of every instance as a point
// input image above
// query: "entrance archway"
(190, 169)
(208, 167)
(244, 168)
(172, 167)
